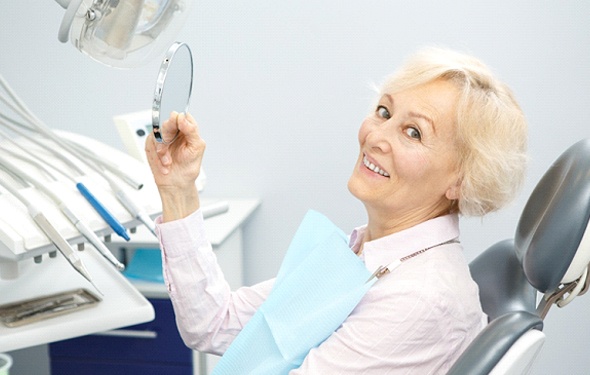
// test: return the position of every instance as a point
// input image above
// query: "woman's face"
(408, 163)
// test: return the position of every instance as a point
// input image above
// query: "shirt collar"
(384, 250)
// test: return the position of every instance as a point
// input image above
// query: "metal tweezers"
(30, 311)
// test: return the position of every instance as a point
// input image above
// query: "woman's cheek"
(363, 131)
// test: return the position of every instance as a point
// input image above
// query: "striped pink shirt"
(416, 320)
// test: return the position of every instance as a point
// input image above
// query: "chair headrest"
(552, 238)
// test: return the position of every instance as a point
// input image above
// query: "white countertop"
(121, 305)
(218, 228)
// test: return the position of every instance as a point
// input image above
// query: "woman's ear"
(454, 190)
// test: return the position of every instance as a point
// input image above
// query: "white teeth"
(374, 168)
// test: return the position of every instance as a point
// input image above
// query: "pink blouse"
(416, 320)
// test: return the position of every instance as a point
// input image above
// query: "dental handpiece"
(61, 244)
(72, 217)
(103, 212)
(139, 214)
(91, 237)
(132, 208)
(53, 234)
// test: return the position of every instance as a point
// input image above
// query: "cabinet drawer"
(157, 341)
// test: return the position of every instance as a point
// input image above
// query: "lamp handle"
(66, 23)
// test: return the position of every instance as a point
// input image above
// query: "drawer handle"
(129, 333)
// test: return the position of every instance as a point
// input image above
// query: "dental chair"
(549, 254)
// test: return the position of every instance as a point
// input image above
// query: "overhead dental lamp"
(122, 33)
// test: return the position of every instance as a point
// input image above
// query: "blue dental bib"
(318, 285)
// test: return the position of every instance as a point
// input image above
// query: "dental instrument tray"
(19, 313)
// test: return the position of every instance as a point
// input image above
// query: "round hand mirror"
(173, 90)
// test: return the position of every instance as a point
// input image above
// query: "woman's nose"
(376, 138)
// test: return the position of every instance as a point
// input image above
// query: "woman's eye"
(383, 112)
(413, 133)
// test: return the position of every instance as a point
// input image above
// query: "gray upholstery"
(546, 247)
(503, 286)
(555, 219)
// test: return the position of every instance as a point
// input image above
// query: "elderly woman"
(445, 138)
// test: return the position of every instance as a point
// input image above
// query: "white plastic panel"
(519, 359)
(121, 304)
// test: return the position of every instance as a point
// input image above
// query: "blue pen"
(106, 215)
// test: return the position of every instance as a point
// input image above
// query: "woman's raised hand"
(176, 165)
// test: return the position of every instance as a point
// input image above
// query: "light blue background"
(281, 88)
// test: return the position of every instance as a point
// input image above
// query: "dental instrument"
(121, 195)
(53, 234)
(103, 211)
(38, 126)
(36, 309)
(94, 202)
(67, 211)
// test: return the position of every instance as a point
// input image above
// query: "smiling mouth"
(374, 168)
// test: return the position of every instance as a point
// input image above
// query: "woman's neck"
(382, 223)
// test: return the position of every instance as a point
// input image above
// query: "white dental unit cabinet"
(31, 267)
(156, 347)
(122, 321)
(76, 215)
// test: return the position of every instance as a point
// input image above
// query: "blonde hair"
(491, 130)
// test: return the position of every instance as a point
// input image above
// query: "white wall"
(281, 88)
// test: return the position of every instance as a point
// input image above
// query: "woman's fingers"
(189, 132)
(184, 153)
(169, 128)
(158, 155)
(187, 126)
(163, 152)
